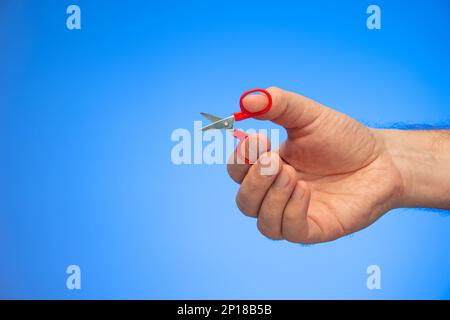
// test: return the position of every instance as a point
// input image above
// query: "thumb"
(289, 109)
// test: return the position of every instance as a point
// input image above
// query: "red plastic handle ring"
(245, 114)
(241, 136)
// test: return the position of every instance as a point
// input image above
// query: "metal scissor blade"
(226, 123)
(211, 117)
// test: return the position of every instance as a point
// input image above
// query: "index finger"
(251, 149)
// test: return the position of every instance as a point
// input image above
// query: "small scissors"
(228, 123)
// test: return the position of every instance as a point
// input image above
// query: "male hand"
(335, 175)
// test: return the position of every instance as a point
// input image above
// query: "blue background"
(86, 119)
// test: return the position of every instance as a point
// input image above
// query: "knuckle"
(276, 92)
(288, 219)
(233, 173)
(242, 205)
(293, 235)
(268, 231)
(298, 238)
(293, 238)
(274, 89)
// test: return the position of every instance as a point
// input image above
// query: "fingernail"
(264, 159)
(299, 191)
(282, 179)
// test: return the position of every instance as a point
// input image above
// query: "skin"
(335, 176)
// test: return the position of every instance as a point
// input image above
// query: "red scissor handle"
(245, 114)
(241, 136)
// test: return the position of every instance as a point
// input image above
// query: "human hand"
(335, 175)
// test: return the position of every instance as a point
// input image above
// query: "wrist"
(423, 160)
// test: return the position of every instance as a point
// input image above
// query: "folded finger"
(257, 182)
(274, 203)
(250, 149)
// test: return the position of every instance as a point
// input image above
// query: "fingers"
(289, 109)
(271, 192)
(251, 149)
(271, 212)
(257, 182)
(297, 225)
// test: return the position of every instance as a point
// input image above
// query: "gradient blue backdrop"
(86, 119)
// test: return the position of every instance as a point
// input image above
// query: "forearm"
(423, 160)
